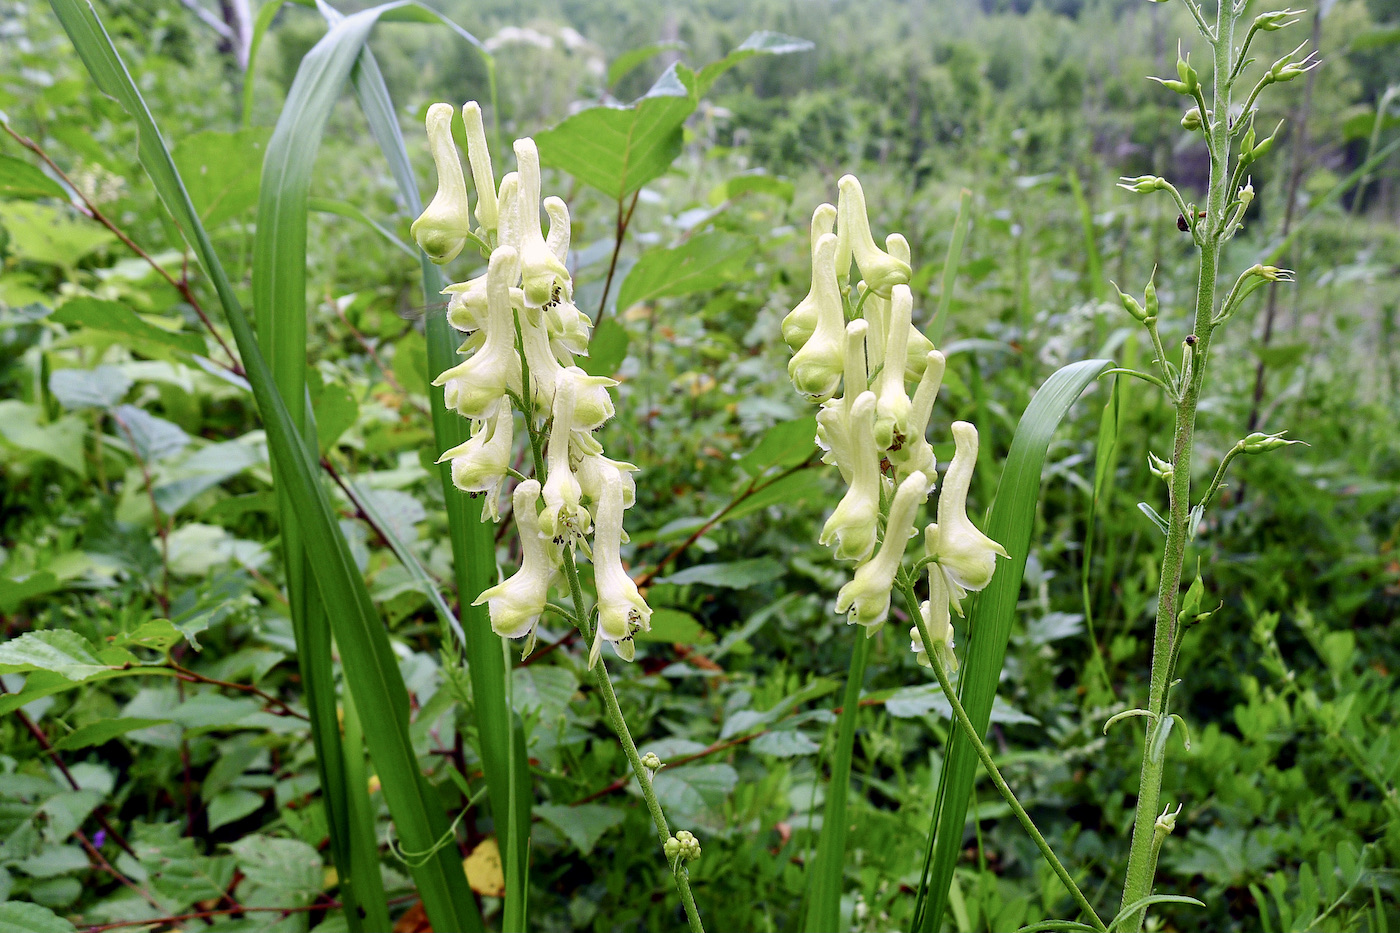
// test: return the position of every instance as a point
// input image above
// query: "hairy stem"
(1142, 863)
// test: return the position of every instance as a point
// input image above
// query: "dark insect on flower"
(1190, 340)
(1181, 223)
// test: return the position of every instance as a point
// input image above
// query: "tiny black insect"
(1190, 340)
(1181, 223)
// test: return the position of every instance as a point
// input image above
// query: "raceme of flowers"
(859, 341)
(523, 332)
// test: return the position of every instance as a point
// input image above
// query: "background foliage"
(139, 523)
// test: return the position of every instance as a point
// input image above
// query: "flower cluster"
(860, 341)
(522, 333)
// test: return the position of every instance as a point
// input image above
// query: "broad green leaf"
(14, 592)
(703, 262)
(989, 621)
(756, 181)
(786, 444)
(231, 806)
(156, 635)
(785, 492)
(154, 438)
(54, 236)
(282, 871)
(206, 468)
(118, 319)
(922, 699)
(695, 793)
(336, 413)
(582, 825)
(221, 171)
(785, 743)
(77, 389)
(19, 179)
(607, 349)
(60, 441)
(59, 651)
(543, 690)
(735, 575)
(102, 732)
(53, 861)
(672, 625)
(619, 149)
(350, 211)
(25, 917)
(763, 42)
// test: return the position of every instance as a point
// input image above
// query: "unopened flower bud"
(1150, 297)
(1278, 19)
(672, 848)
(1130, 304)
(479, 156)
(1192, 120)
(441, 230)
(651, 761)
(1143, 184)
(880, 270)
(1162, 469)
(1258, 443)
(867, 595)
(1186, 73)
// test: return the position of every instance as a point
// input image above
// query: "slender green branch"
(1230, 455)
(1168, 376)
(970, 731)
(1201, 23)
(1146, 377)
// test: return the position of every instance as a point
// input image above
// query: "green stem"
(1142, 863)
(970, 731)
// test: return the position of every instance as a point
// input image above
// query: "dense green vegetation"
(156, 757)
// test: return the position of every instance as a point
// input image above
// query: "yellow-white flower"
(516, 604)
(621, 610)
(480, 465)
(802, 320)
(893, 407)
(564, 519)
(543, 274)
(880, 270)
(479, 156)
(834, 419)
(441, 230)
(917, 454)
(816, 368)
(867, 595)
(939, 622)
(477, 386)
(852, 526)
(966, 555)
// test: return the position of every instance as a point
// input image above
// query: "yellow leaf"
(483, 868)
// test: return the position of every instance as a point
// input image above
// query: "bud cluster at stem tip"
(860, 341)
(522, 333)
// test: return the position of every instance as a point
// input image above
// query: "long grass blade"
(473, 545)
(950, 267)
(370, 666)
(1010, 522)
(824, 877)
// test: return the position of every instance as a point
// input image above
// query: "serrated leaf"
(582, 825)
(763, 42)
(59, 651)
(19, 179)
(116, 318)
(25, 917)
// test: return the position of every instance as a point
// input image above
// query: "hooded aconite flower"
(516, 604)
(880, 270)
(802, 320)
(892, 406)
(543, 275)
(966, 555)
(564, 519)
(442, 229)
(621, 609)
(834, 419)
(480, 465)
(917, 454)
(852, 526)
(479, 383)
(938, 620)
(867, 596)
(509, 230)
(816, 368)
(479, 155)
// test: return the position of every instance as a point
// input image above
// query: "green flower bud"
(1186, 73)
(1192, 120)
(1130, 304)
(672, 848)
(1279, 19)
(651, 762)
(1160, 468)
(1143, 184)
(1173, 85)
(1258, 443)
(1150, 296)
